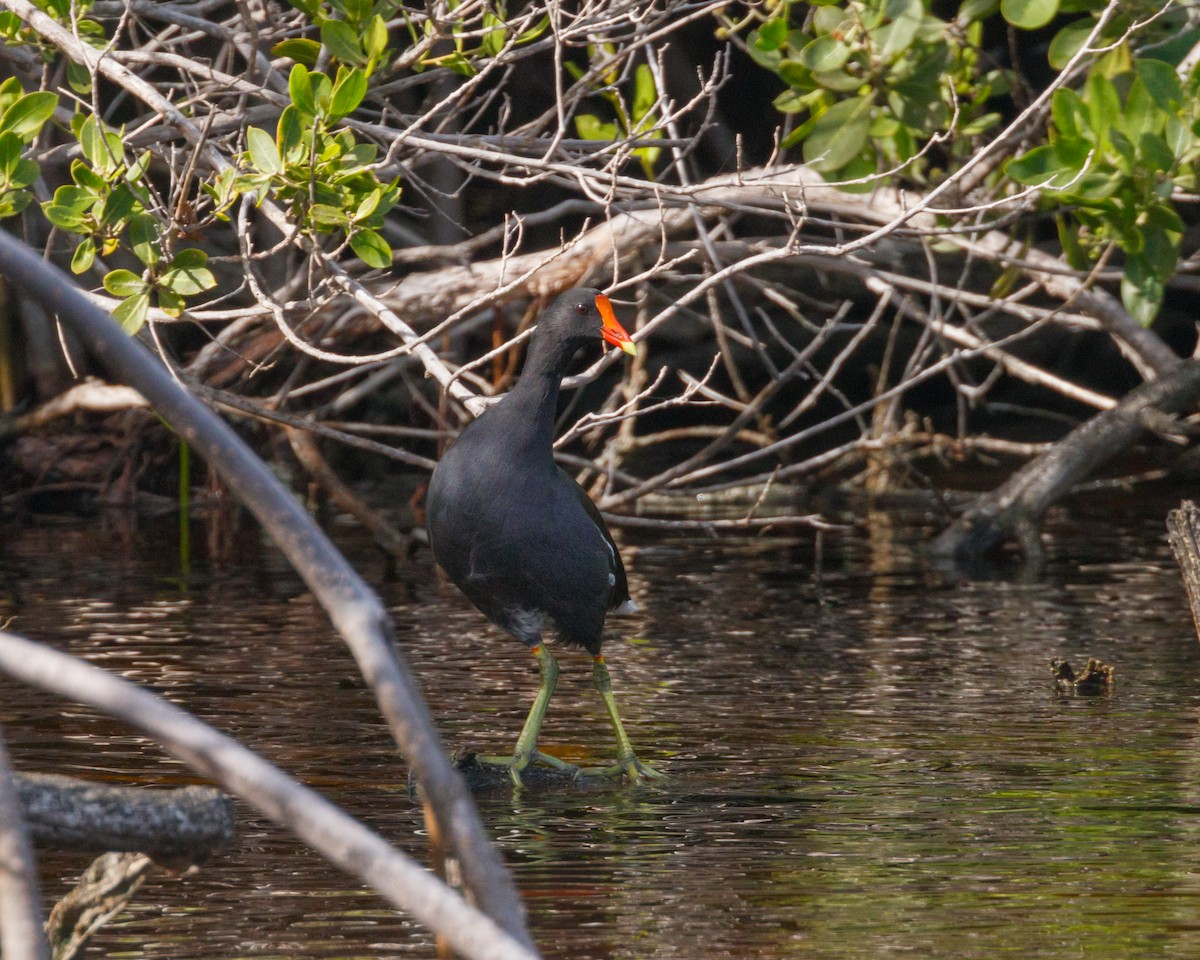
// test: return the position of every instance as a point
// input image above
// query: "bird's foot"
(628, 767)
(553, 761)
(518, 762)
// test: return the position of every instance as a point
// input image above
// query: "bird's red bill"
(612, 331)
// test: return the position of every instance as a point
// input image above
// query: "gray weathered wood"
(103, 891)
(182, 825)
(1183, 533)
(345, 842)
(21, 935)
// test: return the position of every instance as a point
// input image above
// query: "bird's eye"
(581, 308)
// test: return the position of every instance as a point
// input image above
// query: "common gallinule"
(521, 538)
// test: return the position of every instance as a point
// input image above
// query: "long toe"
(634, 769)
(553, 761)
(518, 763)
(631, 768)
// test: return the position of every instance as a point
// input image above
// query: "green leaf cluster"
(170, 281)
(355, 34)
(71, 13)
(495, 36)
(871, 81)
(1170, 31)
(108, 206)
(636, 120)
(1117, 151)
(323, 176)
(22, 116)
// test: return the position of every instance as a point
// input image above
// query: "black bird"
(521, 538)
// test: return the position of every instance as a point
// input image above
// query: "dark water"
(871, 765)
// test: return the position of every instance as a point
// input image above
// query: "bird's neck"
(533, 402)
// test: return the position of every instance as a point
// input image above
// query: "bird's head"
(580, 314)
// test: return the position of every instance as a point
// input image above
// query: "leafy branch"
(323, 176)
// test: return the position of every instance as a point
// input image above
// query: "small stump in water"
(483, 777)
(492, 776)
(486, 777)
(1096, 677)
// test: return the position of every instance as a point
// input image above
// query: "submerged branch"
(101, 894)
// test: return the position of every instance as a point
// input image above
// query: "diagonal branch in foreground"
(356, 611)
(342, 840)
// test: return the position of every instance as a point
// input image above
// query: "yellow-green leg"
(527, 750)
(627, 762)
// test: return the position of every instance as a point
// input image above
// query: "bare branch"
(343, 841)
(21, 936)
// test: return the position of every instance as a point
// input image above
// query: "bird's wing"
(620, 593)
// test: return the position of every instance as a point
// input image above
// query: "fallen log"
(184, 825)
(1014, 510)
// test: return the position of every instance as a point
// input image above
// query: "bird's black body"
(514, 532)
(521, 539)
